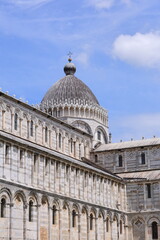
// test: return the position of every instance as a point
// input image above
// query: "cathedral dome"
(70, 89)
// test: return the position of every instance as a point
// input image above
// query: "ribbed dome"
(69, 89)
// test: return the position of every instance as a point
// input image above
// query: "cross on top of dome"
(70, 56)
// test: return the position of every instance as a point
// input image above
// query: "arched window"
(120, 226)
(85, 180)
(58, 113)
(154, 230)
(149, 192)
(30, 211)
(67, 173)
(46, 134)
(73, 218)
(21, 158)
(99, 135)
(60, 140)
(107, 225)
(7, 154)
(79, 151)
(143, 158)
(54, 210)
(31, 128)
(120, 161)
(46, 166)
(15, 121)
(71, 145)
(28, 129)
(3, 207)
(35, 163)
(96, 158)
(91, 221)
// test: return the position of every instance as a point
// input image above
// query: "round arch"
(153, 218)
(83, 126)
(6, 192)
(22, 195)
(100, 135)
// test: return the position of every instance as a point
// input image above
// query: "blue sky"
(116, 49)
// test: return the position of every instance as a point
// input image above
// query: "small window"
(154, 230)
(58, 113)
(21, 158)
(30, 211)
(3, 208)
(143, 158)
(120, 226)
(148, 190)
(60, 140)
(71, 145)
(27, 129)
(107, 225)
(85, 180)
(79, 151)
(57, 167)
(46, 134)
(67, 173)
(91, 221)
(74, 148)
(31, 128)
(96, 158)
(120, 161)
(7, 151)
(46, 166)
(54, 210)
(15, 121)
(77, 172)
(99, 135)
(73, 218)
(35, 163)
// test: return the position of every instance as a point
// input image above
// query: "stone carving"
(138, 223)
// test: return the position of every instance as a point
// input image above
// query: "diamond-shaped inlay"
(138, 223)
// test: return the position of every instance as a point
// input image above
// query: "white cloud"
(139, 49)
(106, 4)
(101, 4)
(28, 3)
(83, 58)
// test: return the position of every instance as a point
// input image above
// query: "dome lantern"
(69, 68)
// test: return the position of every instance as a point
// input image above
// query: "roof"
(129, 144)
(57, 154)
(87, 161)
(68, 89)
(141, 175)
(36, 109)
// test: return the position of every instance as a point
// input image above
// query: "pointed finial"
(69, 68)
(70, 56)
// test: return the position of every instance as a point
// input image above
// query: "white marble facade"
(61, 178)
(55, 177)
